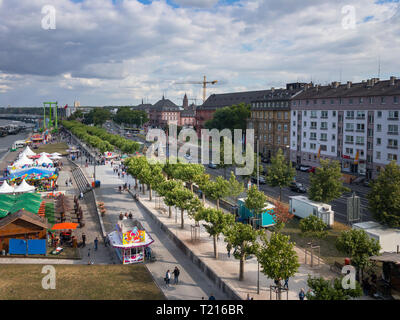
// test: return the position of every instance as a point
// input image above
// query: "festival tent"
(44, 160)
(65, 226)
(56, 154)
(24, 187)
(55, 157)
(28, 152)
(23, 161)
(33, 173)
(6, 188)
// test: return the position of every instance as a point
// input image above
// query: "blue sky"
(111, 54)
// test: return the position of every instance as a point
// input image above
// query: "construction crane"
(204, 83)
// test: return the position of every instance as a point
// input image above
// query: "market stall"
(24, 187)
(6, 188)
(130, 240)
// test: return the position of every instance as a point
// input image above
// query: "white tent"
(24, 160)
(24, 187)
(28, 152)
(44, 160)
(56, 154)
(55, 157)
(6, 188)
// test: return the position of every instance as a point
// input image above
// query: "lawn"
(329, 253)
(79, 282)
(53, 147)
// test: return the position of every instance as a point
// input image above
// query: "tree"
(232, 117)
(217, 222)
(384, 197)
(359, 246)
(163, 189)
(280, 173)
(324, 290)
(182, 198)
(326, 184)
(235, 187)
(281, 215)
(222, 164)
(203, 181)
(187, 172)
(151, 175)
(255, 202)
(97, 116)
(243, 239)
(277, 258)
(218, 189)
(313, 227)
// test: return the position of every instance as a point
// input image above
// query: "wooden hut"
(389, 284)
(21, 225)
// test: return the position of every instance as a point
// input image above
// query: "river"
(7, 141)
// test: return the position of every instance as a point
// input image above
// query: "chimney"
(349, 83)
(370, 83)
(392, 80)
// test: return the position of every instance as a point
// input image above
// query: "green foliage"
(277, 257)
(78, 114)
(217, 189)
(235, 187)
(280, 173)
(313, 227)
(233, 117)
(255, 201)
(97, 116)
(243, 238)
(326, 184)
(324, 290)
(187, 171)
(131, 117)
(217, 223)
(384, 197)
(358, 246)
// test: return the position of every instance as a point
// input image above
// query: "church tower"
(185, 102)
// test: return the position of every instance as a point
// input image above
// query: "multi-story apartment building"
(356, 124)
(270, 119)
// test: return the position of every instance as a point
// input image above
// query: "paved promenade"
(193, 283)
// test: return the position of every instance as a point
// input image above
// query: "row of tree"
(130, 117)
(100, 139)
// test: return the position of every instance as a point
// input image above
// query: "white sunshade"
(24, 187)
(44, 160)
(22, 161)
(56, 154)
(6, 188)
(55, 157)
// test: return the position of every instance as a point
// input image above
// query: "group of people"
(125, 216)
(167, 278)
(68, 182)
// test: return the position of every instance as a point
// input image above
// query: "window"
(315, 101)
(333, 149)
(370, 133)
(382, 99)
(294, 123)
(378, 155)
(350, 139)
(360, 152)
(360, 140)
(294, 133)
(304, 145)
(286, 115)
(324, 137)
(285, 127)
(269, 126)
(393, 129)
(305, 124)
(313, 125)
(395, 99)
(349, 150)
(349, 126)
(350, 101)
(294, 112)
(360, 127)
(323, 147)
(278, 140)
(332, 101)
(378, 141)
(392, 157)
(392, 144)
(279, 115)
(333, 137)
(334, 113)
(305, 134)
(379, 114)
(378, 128)
(393, 115)
(324, 114)
(313, 114)
(305, 113)
(285, 140)
(313, 136)
(323, 102)
(333, 125)
(360, 114)
(349, 114)
(279, 127)
(313, 146)
(360, 100)
(324, 125)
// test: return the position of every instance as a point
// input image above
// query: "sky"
(118, 52)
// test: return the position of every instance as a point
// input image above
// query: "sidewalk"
(193, 283)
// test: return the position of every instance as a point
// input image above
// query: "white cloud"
(119, 54)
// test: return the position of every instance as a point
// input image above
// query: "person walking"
(286, 285)
(83, 240)
(176, 275)
(167, 278)
(96, 242)
(211, 297)
(302, 294)
(229, 248)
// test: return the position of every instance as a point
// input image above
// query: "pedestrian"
(81, 195)
(88, 253)
(96, 242)
(302, 294)
(70, 181)
(229, 248)
(286, 285)
(248, 296)
(66, 183)
(310, 293)
(119, 174)
(211, 297)
(176, 275)
(83, 240)
(167, 278)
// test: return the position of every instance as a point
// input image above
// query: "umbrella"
(65, 226)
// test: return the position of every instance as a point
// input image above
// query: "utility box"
(266, 218)
(388, 238)
(303, 207)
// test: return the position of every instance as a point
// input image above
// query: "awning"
(65, 226)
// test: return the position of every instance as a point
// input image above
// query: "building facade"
(356, 124)
(270, 119)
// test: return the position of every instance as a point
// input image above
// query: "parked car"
(188, 157)
(304, 168)
(297, 187)
(312, 169)
(261, 180)
(212, 166)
